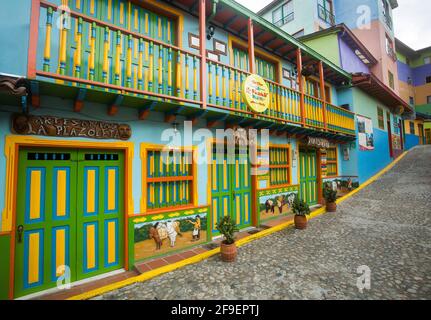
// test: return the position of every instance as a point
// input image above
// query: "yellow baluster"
(47, 51)
(105, 55)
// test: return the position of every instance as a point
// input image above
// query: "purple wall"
(404, 71)
(420, 73)
(349, 61)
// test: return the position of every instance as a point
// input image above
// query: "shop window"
(279, 165)
(412, 101)
(412, 127)
(380, 118)
(169, 180)
(428, 79)
(331, 162)
(428, 99)
(313, 89)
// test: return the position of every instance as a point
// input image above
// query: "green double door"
(308, 175)
(69, 216)
(230, 186)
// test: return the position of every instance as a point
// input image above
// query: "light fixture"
(175, 126)
(210, 32)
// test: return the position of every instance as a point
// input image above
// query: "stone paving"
(386, 227)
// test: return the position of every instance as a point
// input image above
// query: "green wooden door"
(100, 204)
(308, 175)
(231, 187)
(45, 218)
(53, 230)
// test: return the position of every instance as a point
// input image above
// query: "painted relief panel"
(273, 203)
(365, 133)
(165, 233)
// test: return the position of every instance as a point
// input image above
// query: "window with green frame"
(380, 118)
(169, 180)
(279, 165)
(283, 14)
(264, 68)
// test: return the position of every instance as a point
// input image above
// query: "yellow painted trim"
(197, 258)
(12, 142)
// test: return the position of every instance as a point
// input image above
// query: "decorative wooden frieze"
(71, 128)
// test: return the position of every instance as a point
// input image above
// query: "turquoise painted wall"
(366, 163)
(149, 131)
(14, 35)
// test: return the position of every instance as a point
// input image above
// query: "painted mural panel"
(273, 203)
(365, 133)
(165, 233)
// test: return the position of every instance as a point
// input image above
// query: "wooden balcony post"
(301, 84)
(202, 43)
(251, 58)
(323, 93)
(34, 33)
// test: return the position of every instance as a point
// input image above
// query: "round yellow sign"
(255, 93)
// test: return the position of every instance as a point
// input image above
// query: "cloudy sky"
(411, 20)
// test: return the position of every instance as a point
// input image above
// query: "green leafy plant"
(329, 194)
(300, 207)
(227, 228)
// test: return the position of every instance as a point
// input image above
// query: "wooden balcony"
(93, 54)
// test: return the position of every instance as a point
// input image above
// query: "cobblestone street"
(386, 227)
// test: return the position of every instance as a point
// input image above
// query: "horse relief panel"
(164, 234)
(276, 202)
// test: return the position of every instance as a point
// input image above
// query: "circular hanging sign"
(255, 93)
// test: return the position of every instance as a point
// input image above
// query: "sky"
(416, 35)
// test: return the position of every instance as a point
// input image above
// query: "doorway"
(230, 186)
(69, 216)
(308, 176)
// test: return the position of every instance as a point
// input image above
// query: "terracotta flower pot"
(228, 252)
(331, 207)
(300, 222)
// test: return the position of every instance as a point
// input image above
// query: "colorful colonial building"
(414, 72)
(357, 36)
(110, 111)
(376, 106)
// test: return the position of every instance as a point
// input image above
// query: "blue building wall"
(411, 140)
(14, 36)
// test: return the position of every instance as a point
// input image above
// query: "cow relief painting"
(163, 236)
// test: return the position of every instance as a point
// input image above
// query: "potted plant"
(227, 228)
(301, 209)
(330, 196)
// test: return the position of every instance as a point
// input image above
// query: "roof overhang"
(233, 18)
(350, 39)
(373, 86)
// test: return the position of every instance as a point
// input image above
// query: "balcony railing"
(326, 15)
(388, 20)
(93, 53)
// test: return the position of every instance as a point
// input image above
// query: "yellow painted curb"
(373, 178)
(202, 256)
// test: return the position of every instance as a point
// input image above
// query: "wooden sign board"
(69, 128)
